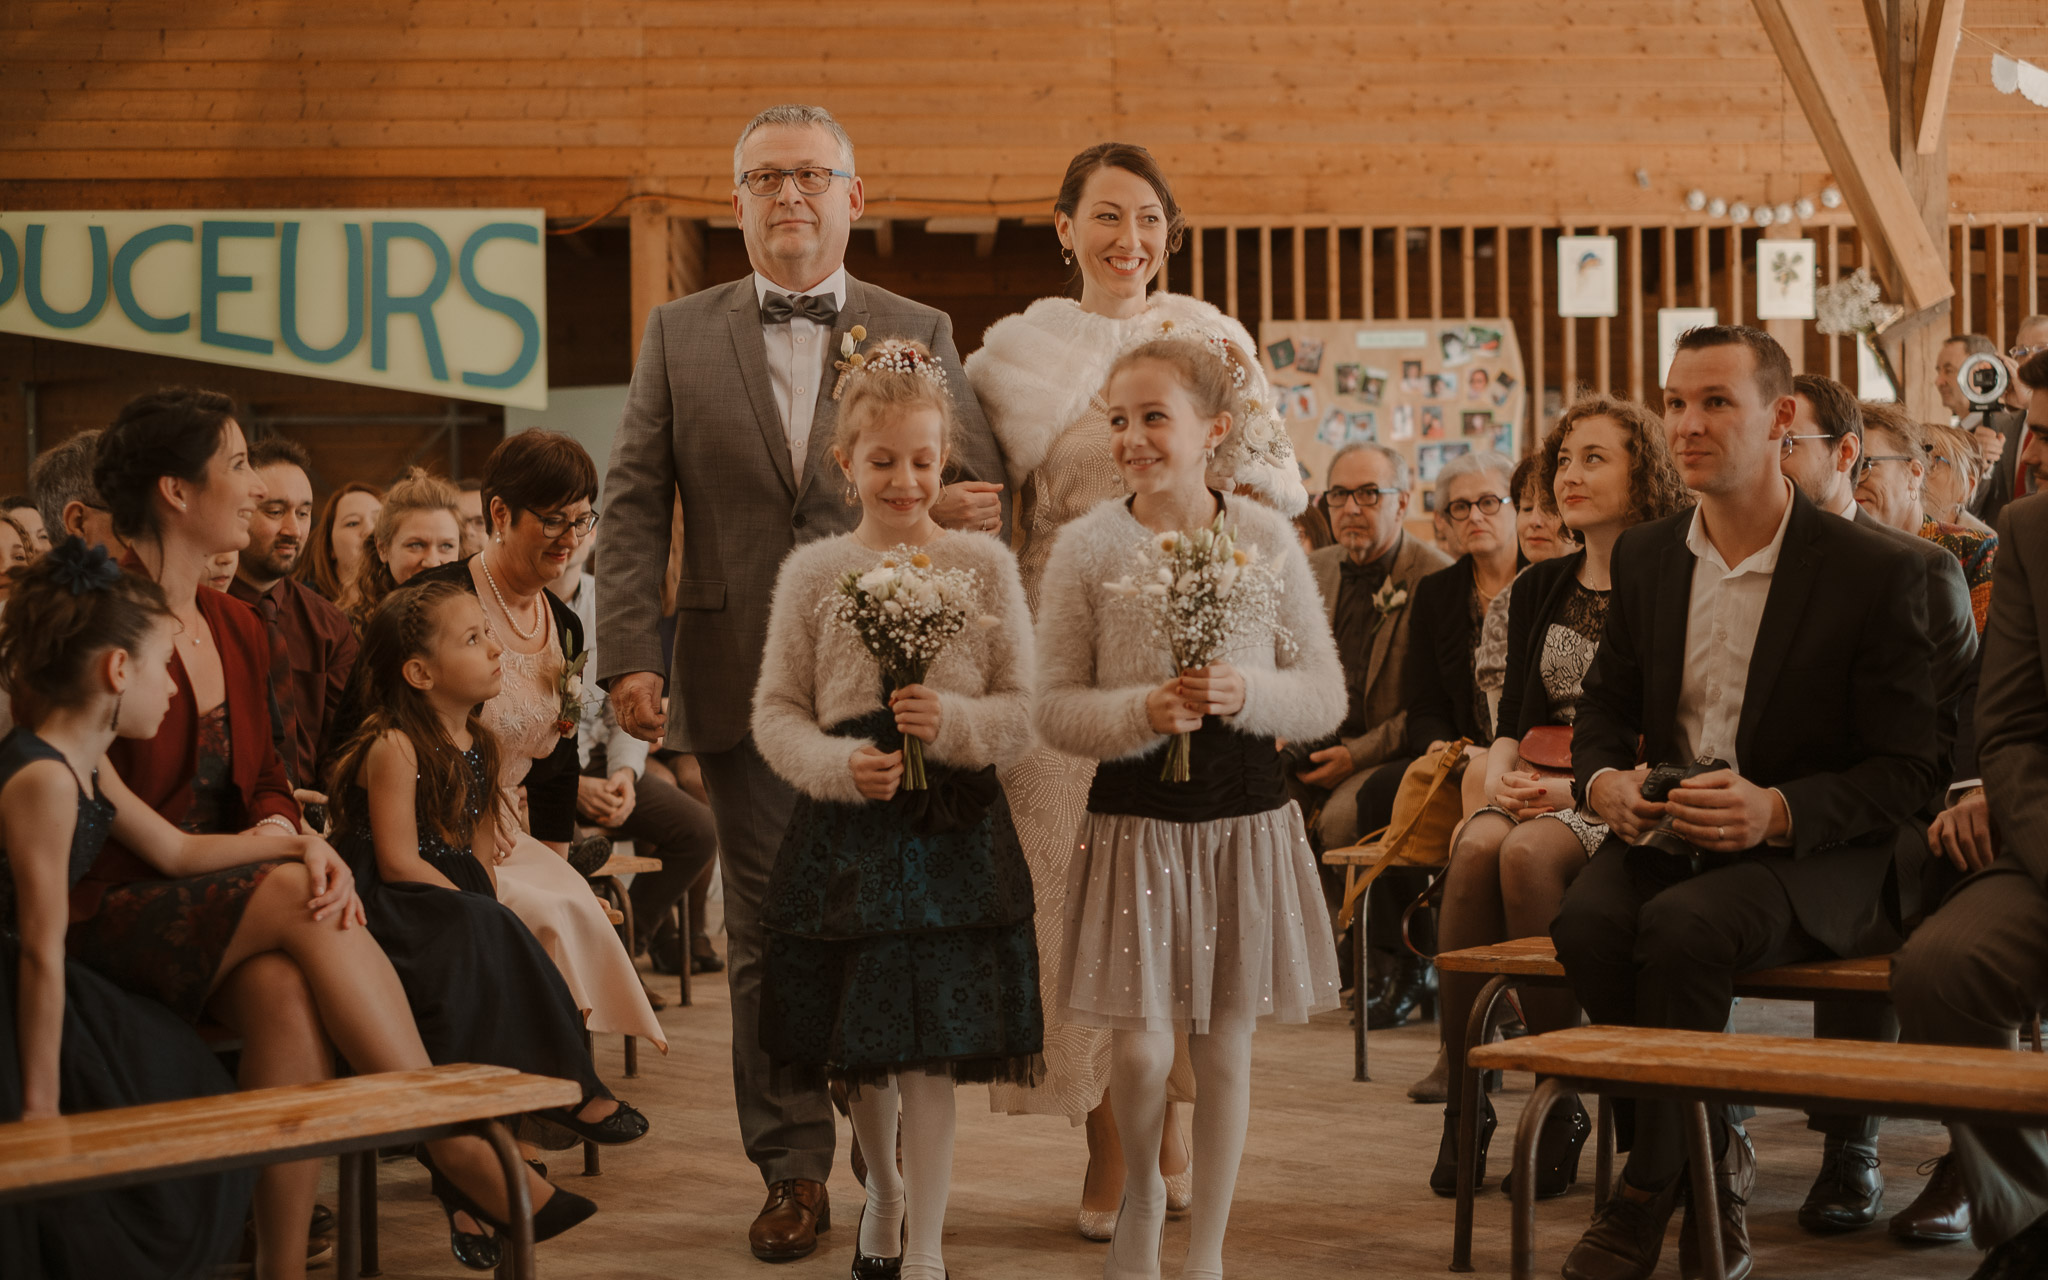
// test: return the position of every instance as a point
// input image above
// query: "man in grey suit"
(1979, 967)
(731, 413)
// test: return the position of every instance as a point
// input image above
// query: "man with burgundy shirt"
(313, 648)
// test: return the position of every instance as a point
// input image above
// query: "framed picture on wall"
(1587, 276)
(1672, 322)
(1784, 280)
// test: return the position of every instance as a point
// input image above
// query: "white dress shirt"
(1720, 635)
(797, 359)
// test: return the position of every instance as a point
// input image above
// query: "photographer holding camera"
(1758, 631)
(1979, 385)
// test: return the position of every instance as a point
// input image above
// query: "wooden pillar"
(650, 228)
(1926, 175)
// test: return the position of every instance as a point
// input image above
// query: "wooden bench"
(1980, 1086)
(98, 1150)
(1533, 962)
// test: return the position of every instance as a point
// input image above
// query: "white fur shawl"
(1095, 667)
(816, 673)
(1037, 371)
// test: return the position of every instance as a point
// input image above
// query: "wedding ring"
(1720, 833)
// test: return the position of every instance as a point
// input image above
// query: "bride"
(1037, 375)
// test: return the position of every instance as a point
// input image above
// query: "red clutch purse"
(1547, 750)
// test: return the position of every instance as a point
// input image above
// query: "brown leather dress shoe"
(1734, 1182)
(1940, 1214)
(788, 1226)
(1626, 1237)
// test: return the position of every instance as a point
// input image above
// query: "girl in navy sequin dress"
(90, 645)
(900, 957)
(416, 819)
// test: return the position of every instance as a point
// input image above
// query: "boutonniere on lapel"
(850, 357)
(1390, 599)
(570, 688)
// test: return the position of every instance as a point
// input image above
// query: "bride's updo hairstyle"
(171, 432)
(1133, 159)
(893, 374)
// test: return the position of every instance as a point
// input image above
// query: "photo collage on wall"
(1430, 390)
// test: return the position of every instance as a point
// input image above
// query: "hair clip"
(82, 568)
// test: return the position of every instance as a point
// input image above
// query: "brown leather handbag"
(1547, 750)
(1426, 812)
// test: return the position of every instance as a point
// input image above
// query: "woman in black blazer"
(1609, 467)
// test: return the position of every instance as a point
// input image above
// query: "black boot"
(1411, 980)
(1848, 1192)
(1444, 1178)
(1557, 1152)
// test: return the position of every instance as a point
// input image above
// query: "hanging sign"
(447, 301)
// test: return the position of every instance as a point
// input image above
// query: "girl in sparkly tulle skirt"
(1192, 906)
(900, 956)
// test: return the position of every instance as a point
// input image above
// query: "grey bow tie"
(778, 308)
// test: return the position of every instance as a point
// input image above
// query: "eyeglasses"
(1462, 509)
(554, 526)
(1785, 445)
(1868, 460)
(2021, 353)
(810, 180)
(1366, 496)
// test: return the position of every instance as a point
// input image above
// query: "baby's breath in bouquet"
(1207, 597)
(905, 611)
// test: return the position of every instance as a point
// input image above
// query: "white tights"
(1139, 1062)
(926, 1180)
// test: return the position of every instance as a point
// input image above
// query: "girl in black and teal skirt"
(901, 958)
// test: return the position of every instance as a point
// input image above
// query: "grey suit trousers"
(788, 1133)
(1971, 975)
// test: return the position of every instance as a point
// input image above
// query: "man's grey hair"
(63, 475)
(1498, 465)
(1394, 460)
(793, 113)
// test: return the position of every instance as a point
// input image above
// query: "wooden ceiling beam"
(1944, 31)
(1880, 34)
(1851, 135)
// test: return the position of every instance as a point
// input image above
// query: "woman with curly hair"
(1609, 467)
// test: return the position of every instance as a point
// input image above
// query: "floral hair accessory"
(82, 568)
(893, 355)
(1257, 436)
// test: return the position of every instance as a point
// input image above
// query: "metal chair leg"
(1603, 1153)
(686, 942)
(1359, 967)
(349, 1218)
(1706, 1209)
(1469, 1104)
(518, 1263)
(1522, 1264)
(370, 1266)
(632, 1058)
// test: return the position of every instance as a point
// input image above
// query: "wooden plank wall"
(1365, 108)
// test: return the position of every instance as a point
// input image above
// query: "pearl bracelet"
(281, 822)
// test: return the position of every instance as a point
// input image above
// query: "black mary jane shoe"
(474, 1250)
(1557, 1152)
(622, 1126)
(1444, 1178)
(866, 1268)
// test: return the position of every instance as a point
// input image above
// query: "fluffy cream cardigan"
(816, 673)
(1037, 371)
(1097, 661)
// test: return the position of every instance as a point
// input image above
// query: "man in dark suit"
(1822, 454)
(730, 414)
(1979, 967)
(1792, 648)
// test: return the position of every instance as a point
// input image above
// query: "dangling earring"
(852, 494)
(114, 723)
(1066, 255)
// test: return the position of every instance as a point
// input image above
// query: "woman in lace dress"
(1609, 466)
(1038, 376)
(538, 487)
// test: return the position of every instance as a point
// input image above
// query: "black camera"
(1983, 379)
(1657, 788)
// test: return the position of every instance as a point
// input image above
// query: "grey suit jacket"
(701, 428)
(1387, 718)
(2012, 713)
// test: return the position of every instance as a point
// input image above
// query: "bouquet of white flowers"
(905, 611)
(1207, 597)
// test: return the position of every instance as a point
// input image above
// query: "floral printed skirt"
(165, 938)
(892, 950)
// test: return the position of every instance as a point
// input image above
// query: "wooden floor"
(1333, 1184)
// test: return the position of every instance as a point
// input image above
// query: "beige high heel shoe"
(1180, 1187)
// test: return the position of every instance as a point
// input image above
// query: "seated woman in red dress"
(260, 934)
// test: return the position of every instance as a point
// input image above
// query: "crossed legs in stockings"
(288, 984)
(906, 1211)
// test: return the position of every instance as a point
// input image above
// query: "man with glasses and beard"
(313, 649)
(1374, 565)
